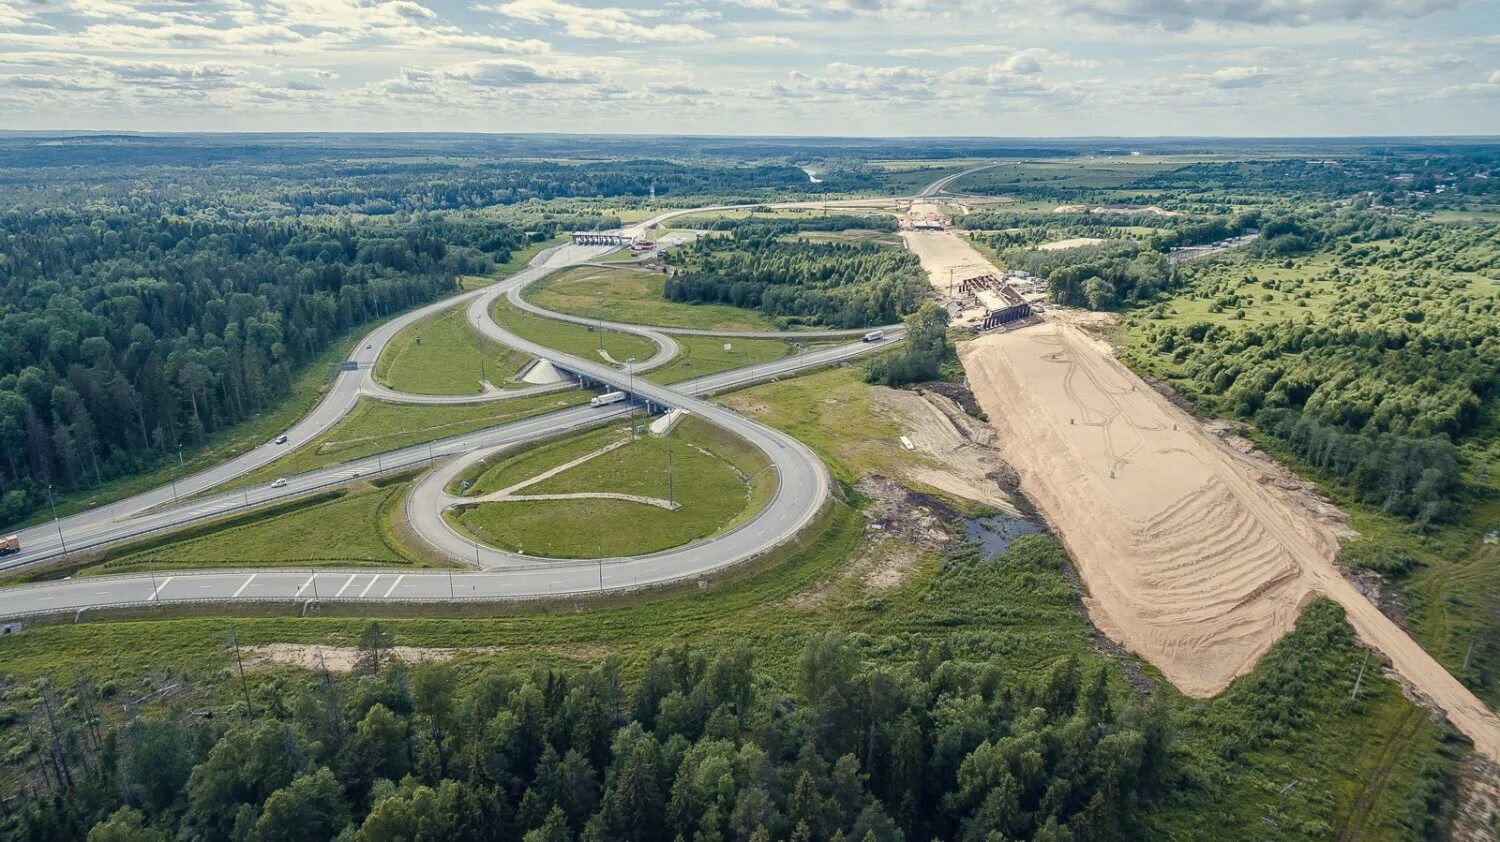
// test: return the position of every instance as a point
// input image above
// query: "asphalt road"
(573, 576)
(802, 487)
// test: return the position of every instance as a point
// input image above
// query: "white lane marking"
(392, 588)
(346, 585)
(45, 598)
(246, 585)
(305, 585)
(162, 584)
(102, 593)
(369, 585)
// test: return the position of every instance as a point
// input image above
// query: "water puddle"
(996, 532)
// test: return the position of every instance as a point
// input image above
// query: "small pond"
(996, 532)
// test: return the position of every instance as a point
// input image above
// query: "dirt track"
(1193, 558)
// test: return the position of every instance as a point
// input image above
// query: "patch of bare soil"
(1199, 554)
(903, 525)
(964, 454)
(1476, 809)
(343, 658)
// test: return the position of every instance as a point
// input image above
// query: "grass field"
(635, 297)
(718, 482)
(439, 355)
(1100, 173)
(700, 355)
(377, 426)
(578, 340)
(343, 528)
(831, 412)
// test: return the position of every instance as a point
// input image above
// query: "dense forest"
(1392, 364)
(835, 284)
(705, 748)
(921, 356)
(759, 227)
(123, 338)
(381, 187)
(1099, 277)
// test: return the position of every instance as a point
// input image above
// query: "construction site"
(1197, 555)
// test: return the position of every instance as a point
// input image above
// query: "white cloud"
(770, 42)
(1238, 77)
(1182, 14)
(599, 22)
(519, 74)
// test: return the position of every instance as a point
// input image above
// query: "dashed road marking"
(369, 585)
(347, 583)
(305, 585)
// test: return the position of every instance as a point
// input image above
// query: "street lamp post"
(599, 298)
(669, 465)
(479, 344)
(58, 523)
(630, 369)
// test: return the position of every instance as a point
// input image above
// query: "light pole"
(599, 297)
(630, 369)
(479, 344)
(53, 506)
(669, 464)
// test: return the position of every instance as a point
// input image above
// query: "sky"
(1006, 68)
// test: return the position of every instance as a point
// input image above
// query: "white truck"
(607, 398)
(874, 336)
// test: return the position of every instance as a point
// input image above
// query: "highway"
(802, 479)
(774, 523)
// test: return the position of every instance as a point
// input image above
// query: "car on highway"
(279, 482)
(281, 439)
(874, 336)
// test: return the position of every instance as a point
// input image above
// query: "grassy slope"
(439, 356)
(351, 529)
(578, 340)
(700, 355)
(635, 297)
(709, 467)
(376, 426)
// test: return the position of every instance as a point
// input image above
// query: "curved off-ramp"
(187, 500)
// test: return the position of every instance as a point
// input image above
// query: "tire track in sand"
(1191, 558)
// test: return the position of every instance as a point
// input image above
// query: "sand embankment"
(1193, 557)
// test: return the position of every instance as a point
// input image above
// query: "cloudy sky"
(829, 67)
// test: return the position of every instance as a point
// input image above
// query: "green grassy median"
(440, 355)
(719, 481)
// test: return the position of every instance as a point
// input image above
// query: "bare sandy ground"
(1070, 243)
(1193, 556)
(965, 456)
(314, 656)
(942, 251)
